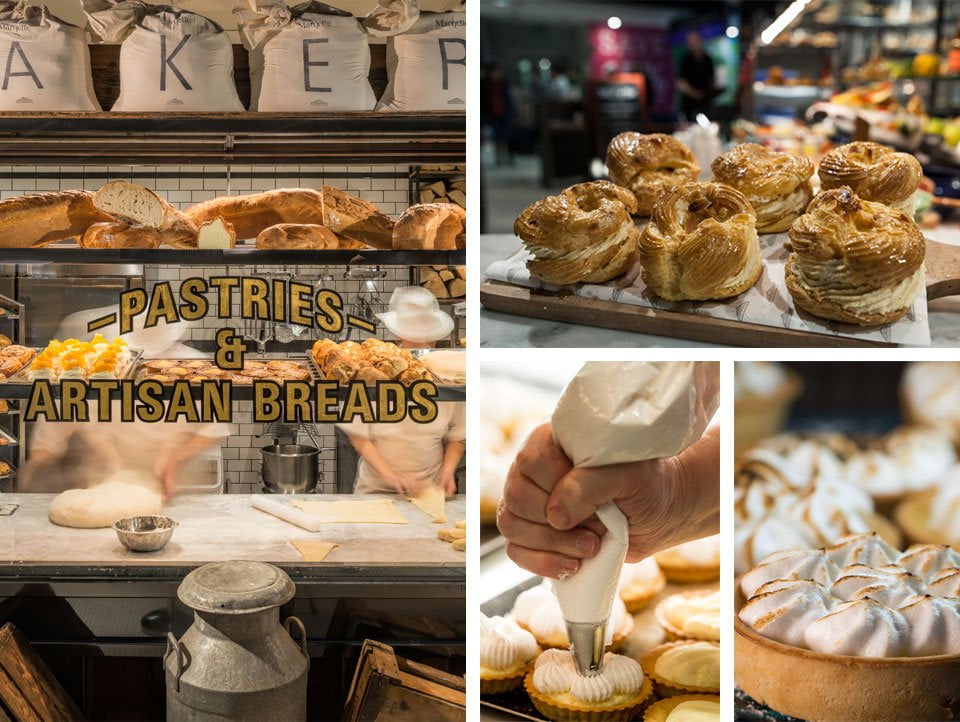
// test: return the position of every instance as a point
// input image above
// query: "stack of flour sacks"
(308, 57)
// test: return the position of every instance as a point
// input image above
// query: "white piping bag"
(615, 413)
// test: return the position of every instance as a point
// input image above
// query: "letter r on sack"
(447, 61)
(166, 61)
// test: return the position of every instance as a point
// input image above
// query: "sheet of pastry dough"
(367, 511)
(431, 501)
(313, 551)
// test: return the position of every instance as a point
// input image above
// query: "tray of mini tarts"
(205, 369)
(22, 377)
(830, 687)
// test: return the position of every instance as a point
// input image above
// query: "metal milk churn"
(237, 662)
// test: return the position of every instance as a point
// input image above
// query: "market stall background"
(796, 77)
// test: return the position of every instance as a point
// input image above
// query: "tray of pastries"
(371, 361)
(13, 358)
(167, 371)
(75, 360)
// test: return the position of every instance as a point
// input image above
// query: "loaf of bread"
(37, 220)
(120, 235)
(431, 227)
(130, 203)
(138, 206)
(297, 237)
(252, 213)
(357, 219)
(177, 230)
(216, 235)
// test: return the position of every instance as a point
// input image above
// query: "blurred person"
(496, 111)
(403, 458)
(696, 79)
(65, 455)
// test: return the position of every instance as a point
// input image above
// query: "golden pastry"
(699, 707)
(874, 172)
(700, 244)
(649, 165)
(691, 615)
(584, 234)
(684, 668)
(776, 184)
(854, 260)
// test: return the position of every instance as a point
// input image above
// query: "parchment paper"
(767, 303)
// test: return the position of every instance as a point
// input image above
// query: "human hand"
(407, 485)
(448, 482)
(548, 511)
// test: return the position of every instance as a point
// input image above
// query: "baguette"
(120, 235)
(250, 214)
(37, 220)
(297, 236)
(431, 226)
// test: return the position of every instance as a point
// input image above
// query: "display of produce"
(93, 360)
(371, 361)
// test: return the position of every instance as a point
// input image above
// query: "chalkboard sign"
(619, 107)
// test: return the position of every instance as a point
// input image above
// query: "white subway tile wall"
(185, 185)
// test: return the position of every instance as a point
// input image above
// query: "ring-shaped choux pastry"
(874, 172)
(648, 165)
(701, 244)
(583, 234)
(776, 184)
(853, 260)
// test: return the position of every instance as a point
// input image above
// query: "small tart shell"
(672, 688)
(554, 710)
(675, 633)
(688, 572)
(638, 595)
(659, 711)
(560, 641)
(912, 515)
(499, 682)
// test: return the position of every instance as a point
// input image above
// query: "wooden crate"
(386, 687)
(28, 691)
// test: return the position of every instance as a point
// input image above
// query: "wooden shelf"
(236, 256)
(247, 138)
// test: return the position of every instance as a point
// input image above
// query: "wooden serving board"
(943, 279)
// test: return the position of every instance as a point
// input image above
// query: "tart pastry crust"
(700, 244)
(854, 260)
(673, 687)
(776, 184)
(554, 709)
(649, 165)
(659, 711)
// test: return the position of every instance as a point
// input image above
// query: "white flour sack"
(44, 61)
(426, 65)
(170, 59)
(309, 57)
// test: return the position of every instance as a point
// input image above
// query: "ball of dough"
(122, 495)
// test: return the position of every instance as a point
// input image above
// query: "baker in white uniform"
(403, 458)
(66, 455)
